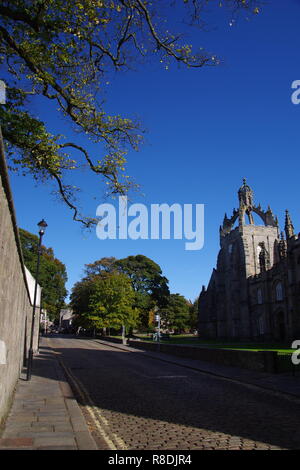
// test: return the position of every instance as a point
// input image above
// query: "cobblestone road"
(135, 402)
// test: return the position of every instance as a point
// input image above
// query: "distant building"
(45, 323)
(254, 292)
(66, 318)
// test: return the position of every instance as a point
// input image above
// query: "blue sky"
(206, 130)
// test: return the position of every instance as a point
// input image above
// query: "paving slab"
(45, 414)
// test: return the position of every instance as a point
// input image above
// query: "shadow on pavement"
(137, 394)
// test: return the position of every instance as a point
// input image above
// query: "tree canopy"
(101, 266)
(106, 300)
(52, 272)
(111, 302)
(129, 292)
(176, 314)
(65, 51)
(148, 286)
(145, 275)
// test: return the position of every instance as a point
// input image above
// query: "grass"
(193, 340)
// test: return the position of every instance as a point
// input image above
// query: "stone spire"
(282, 246)
(289, 228)
(245, 194)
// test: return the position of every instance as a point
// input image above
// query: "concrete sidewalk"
(45, 414)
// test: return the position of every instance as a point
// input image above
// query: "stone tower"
(246, 250)
(256, 241)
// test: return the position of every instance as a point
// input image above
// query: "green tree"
(176, 314)
(101, 266)
(111, 302)
(80, 296)
(65, 51)
(193, 310)
(82, 290)
(146, 276)
(144, 304)
(150, 286)
(52, 273)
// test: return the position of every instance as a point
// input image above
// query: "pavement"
(45, 414)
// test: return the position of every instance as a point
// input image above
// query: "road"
(132, 401)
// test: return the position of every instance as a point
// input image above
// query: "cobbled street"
(132, 401)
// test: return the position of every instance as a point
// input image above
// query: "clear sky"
(207, 129)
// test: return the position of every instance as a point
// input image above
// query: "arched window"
(258, 250)
(279, 291)
(261, 325)
(259, 296)
(263, 257)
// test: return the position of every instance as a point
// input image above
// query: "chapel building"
(254, 292)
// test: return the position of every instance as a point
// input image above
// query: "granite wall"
(15, 303)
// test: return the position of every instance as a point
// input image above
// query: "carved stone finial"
(245, 194)
(289, 228)
(282, 246)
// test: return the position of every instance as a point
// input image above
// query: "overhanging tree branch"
(65, 51)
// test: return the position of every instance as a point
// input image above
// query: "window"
(258, 251)
(259, 296)
(261, 325)
(279, 291)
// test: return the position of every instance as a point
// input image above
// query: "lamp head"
(42, 226)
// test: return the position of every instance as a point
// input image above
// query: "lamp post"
(157, 318)
(123, 334)
(42, 226)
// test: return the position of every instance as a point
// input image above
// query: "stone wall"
(262, 361)
(112, 340)
(15, 305)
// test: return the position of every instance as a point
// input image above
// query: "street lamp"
(42, 226)
(157, 318)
